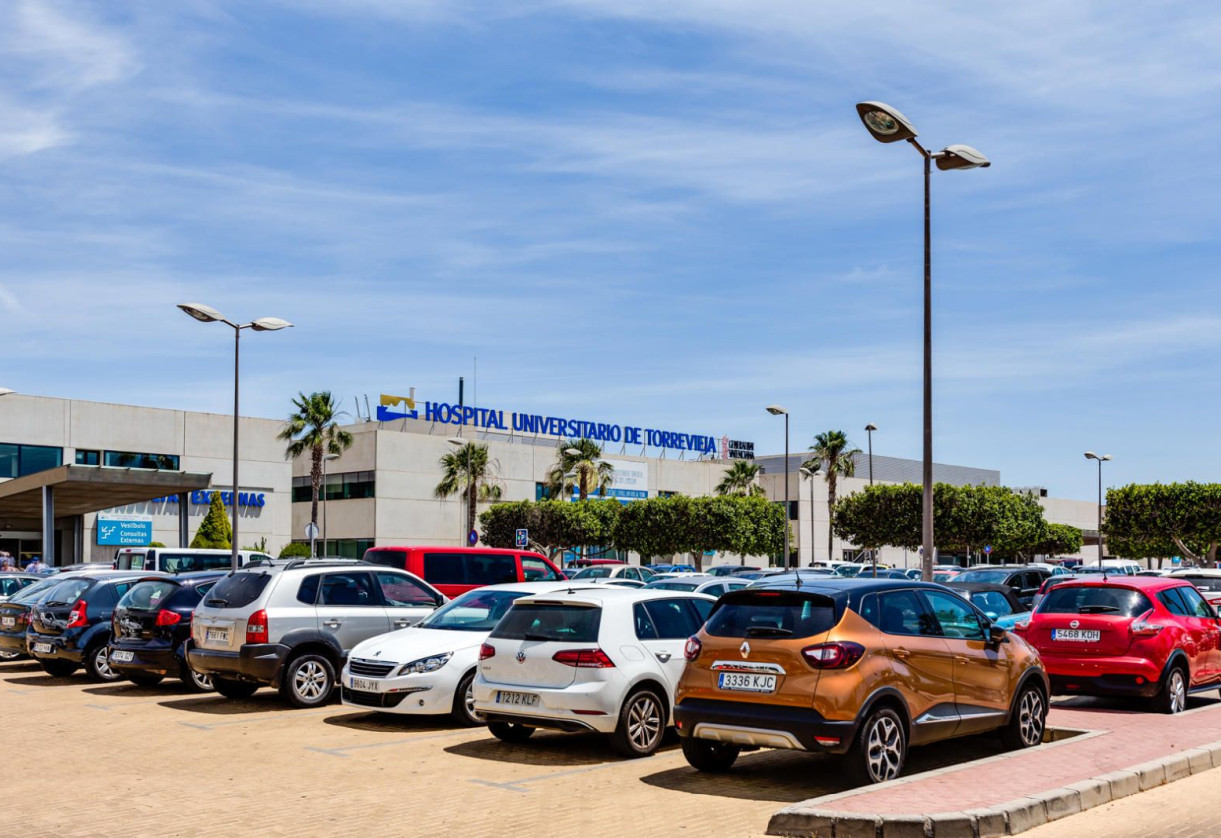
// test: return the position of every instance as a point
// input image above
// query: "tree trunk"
(472, 499)
(831, 480)
(1187, 554)
(315, 479)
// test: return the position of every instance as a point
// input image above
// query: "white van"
(1119, 567)
(180, 559)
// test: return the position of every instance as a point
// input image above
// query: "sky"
(656, 214)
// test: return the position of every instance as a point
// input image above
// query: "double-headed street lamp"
(207, 314)
(777, 410)
(810, 473)
(326, 458)
(1090, 455)
(887, 125)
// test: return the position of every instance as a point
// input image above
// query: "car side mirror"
(996, 634)
(991, 615)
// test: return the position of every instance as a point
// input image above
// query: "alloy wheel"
(101, 664)
(884, 753)
(203, 682)
(1178, 691)
(468, 700)
(309, 681)
(1030, 718)
(9, 656)
(644, 723)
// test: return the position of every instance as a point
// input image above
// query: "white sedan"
(603, 659)
(427, 669)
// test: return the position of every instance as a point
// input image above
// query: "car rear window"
(67, 592)
(1094, 599)
(771, 614)
(993, 577)
(469, 569)
(1201, 581)
(148, 596)
(35, 591)
(548, 621)
(388, 558)
(186, 562)
(238, 590)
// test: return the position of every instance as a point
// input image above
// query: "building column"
(184, 524)
(48, 526)
(78, 538)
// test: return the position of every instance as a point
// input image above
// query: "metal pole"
(811, 520)
(237, 342)
(786, 491)
(873, 554)
(324, 503)
(927, 470)
(1100, 512)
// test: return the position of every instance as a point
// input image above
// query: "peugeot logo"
(521, 657)
(1074, 624)
(744, 649)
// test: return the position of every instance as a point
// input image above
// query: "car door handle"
(332, 624)
(902, 653)
(401, 623)
(663, 656)
(963, 659)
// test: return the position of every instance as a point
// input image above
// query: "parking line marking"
(342, 752)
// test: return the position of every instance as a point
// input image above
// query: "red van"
(456, 570)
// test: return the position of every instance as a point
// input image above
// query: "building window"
(350, 485)
(348, 548)
(793, 508)
(665, 494)
(132, 459)
(20, 460)
(88, 458)
(542, 491)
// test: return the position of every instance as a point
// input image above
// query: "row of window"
(347, 548)
(127, 459)
(20, 460)
(543, 492)
(344, 486)
(359, 588)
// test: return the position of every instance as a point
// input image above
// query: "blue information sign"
(473, 537)
(523, 538)
(122, 532)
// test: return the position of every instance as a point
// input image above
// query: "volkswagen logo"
(744, 649)
(1074, 624)
(521, 657)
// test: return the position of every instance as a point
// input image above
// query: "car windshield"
(66, 592)
(992, 577)
(595, 572)
(148, 596)
(474, 611)
(772, 614)
(847, 570)
(676, 585)
(1204, 583)
(1094, 599)
(238, 590)
(550, 621)
(991, 602)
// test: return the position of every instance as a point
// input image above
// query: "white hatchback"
(605, 660)
(427, 669)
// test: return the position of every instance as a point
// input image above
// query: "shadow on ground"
(126, 689)
(1107, 704)
(550, 749)
(385, 723)
(46, 680)
(211, 704)
(11, 667)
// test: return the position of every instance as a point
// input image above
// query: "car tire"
(708, 756)
(193, 681)
(57, 668)
(1172, 697)
(510, 732)
(880, 748)
(233, 689)
(642, 723)
(1029, 721)
(97, 664)
(6, 656)
(308, 680)
(463, 711)
(145, 680)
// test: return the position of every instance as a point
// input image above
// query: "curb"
(805, 821)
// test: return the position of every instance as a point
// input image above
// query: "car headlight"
(429, 664)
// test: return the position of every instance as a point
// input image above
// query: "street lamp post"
(809, 472)
(887, 125)
(869, 429)
(325, 459)
(207, 314)
(777, 410)
(1090, 455)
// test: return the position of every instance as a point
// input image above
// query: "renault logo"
(1074, 624)
(744, 649)
(521, 657)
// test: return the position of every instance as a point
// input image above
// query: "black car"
(70, 626)
(1024, 581)
(15, 617)
(151, 625)
(12, 584)
(996, 601)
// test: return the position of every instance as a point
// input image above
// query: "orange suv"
(861, 667)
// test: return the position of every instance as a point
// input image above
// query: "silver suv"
(291, 626)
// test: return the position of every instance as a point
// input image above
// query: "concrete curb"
(1015, 816)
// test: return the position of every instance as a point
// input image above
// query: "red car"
(1148, 636)
(455, 570)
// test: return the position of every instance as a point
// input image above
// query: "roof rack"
(303, 561)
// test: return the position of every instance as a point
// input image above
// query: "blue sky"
(658, 214)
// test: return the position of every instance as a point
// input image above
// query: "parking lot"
(90, 759)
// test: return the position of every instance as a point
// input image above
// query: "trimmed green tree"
(295, 550)
(1164, 519)
(214, 530)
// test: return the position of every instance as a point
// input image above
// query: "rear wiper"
(55, 604)
(223, 603)
(768, 631)
(532, 636)
(1096, 609)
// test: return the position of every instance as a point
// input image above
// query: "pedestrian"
(7, 563)
(35, 566)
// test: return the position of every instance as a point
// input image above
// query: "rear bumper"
(154, 660)
(589, 706)
(55, 647)
(763, 725)
(256, 663)
(1104, 685)
(1117, 676)
(13, 641)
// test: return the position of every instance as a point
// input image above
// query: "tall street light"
(326, 458)
(810, 473)
(869, 429)
(1090, 455)
(5, 391)
(207, 314)
(777, 410)
(887, 125)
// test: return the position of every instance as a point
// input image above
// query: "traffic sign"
(523, 538)
(311, 531)
(472, 537)
(988, 549)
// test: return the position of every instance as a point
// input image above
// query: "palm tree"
(314, 427)
(834, 456)
(740, 480)
(470, 472)
(584, 469)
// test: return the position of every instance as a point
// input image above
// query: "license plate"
(216, 635)
(366, 685)
(8, 622)
(1076, 635)
(42, 648)
(120, 656)
(513, 699)
(747, 682)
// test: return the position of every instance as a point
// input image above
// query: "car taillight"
(1021, 627)
(833, 655)
(256, 627)
(584, 659)
(693, 648)
(170, 618)
(27, 617)
(487, 650)
(76, 619)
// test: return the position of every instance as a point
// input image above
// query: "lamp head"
(456, 440)
(1106, 457)
(5, 391)
(871, 427)
(885, 123)
(330, 456)
(776, 410)
(201, 312)
(961, 157)
(1090, 455)
(573, 452)
(270, 324)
